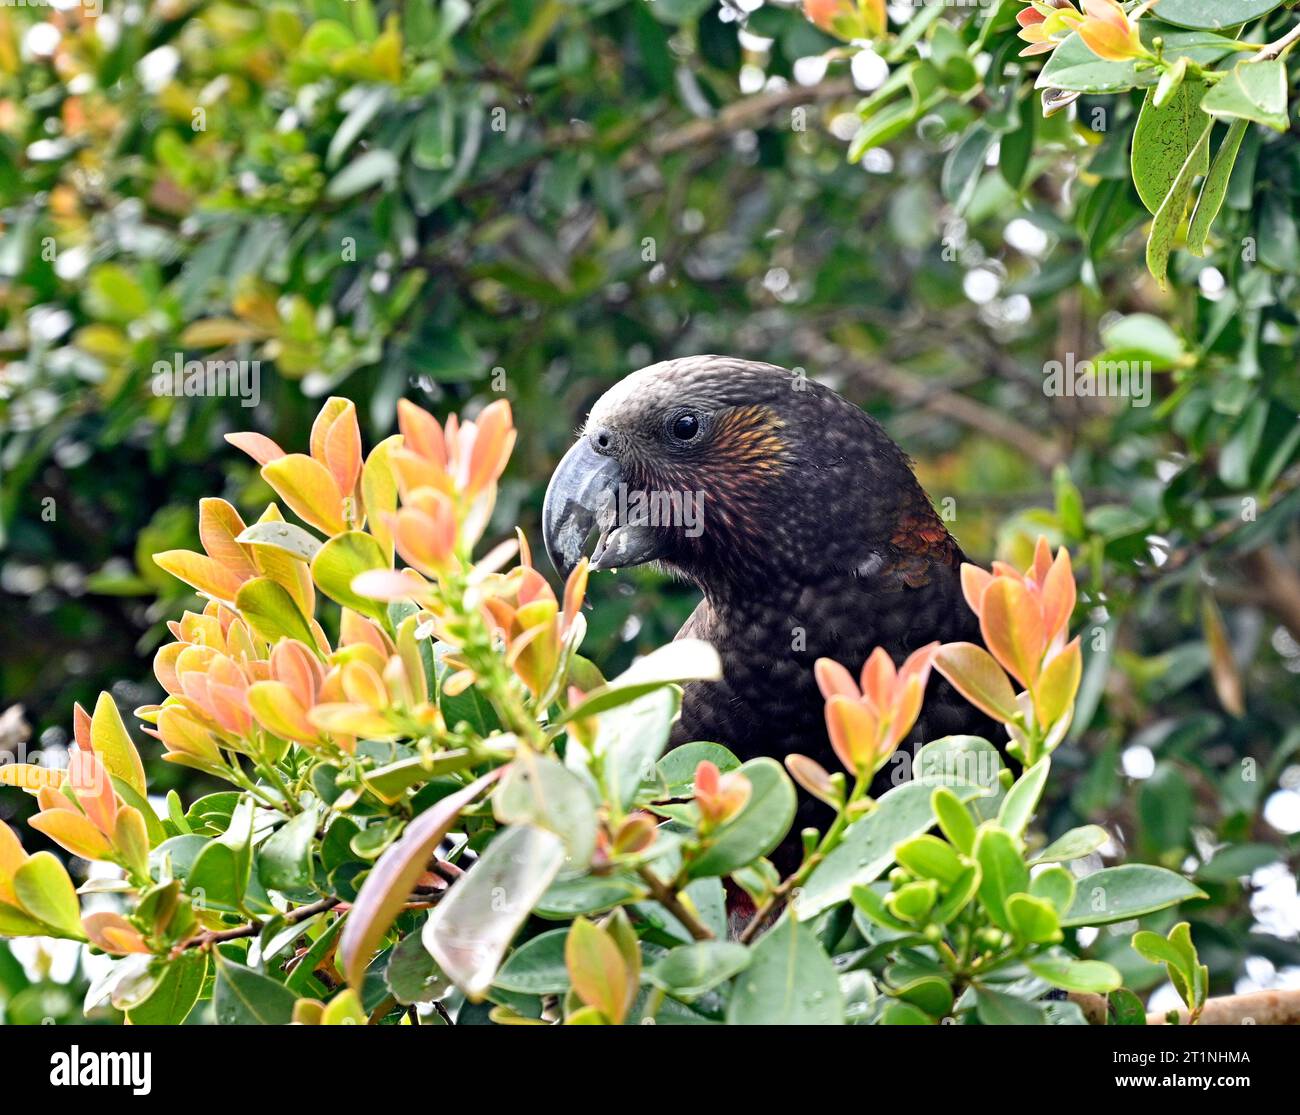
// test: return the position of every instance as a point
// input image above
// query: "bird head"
(725, 470)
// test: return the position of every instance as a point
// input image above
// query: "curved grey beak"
(587, 492)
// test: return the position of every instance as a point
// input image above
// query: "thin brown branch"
(210, 937)
(1258, 1008)
(667, 898)
(1276, 584)
(960, 408)
(739, 115)
(1277, 46)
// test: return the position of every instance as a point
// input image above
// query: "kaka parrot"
(800, 521)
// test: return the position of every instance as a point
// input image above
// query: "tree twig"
(1259, 1008)
(664, 895)
(210, 937)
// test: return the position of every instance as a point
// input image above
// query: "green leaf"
(1004, 872)
(962, 890)
(175, 994)
(42, 885)
(1017, 147)
(364, 172)
(1170, 215)
(1255, 91)
(269, 610)
(997, 1008)
(677, 768)
(1125, 1008)
(1140, 338)
(1215, 188)
(1022, 799)
(471, 928)
(678, 662)
(790, 981)
(1236, 861)
(391, 880)
(537, 966)
(630, 738)
(965, 163)
(1162, 140)
(339, 562)
(363, 111)
(284, 862)
(1073, 65)
(1056, 885)
(867, 849)
(954, 819)
(904, 1014)
(756, 829)
(537, 789)
(1075, 844)
(289, 537)
(689, 971)
(1214, 15)
(1033, 920)
(930, 858)
(1129, 891)
(1064, 971)
(244, 997)
(411, 974)
(391, 780)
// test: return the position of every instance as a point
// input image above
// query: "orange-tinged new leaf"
(379, 491)
(978, 678)
(262, 449)
(89, 781)
(336, 442)
(30, 776)
(131, 840)
(219, 525)
(182, 733)
(12, 857)
(309, 488)
(813, 777)
(200, 572)
(391, 880)
(74, 833)
(113, 933)
(421, 433)
(597, 970)
(494, 440)
(1012, 625)
(81, 727)
(974, 581)
(1058, 684)
(878, 674)
(853, 732)
(832, 678)
(1059, 594)
(110, 740)
(352, 719)
(279, 711)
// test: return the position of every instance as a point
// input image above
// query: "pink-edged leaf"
(393, 878)
(262, 449)
(1011, 622)
(978, 678)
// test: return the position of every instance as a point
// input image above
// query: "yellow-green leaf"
(111, 742)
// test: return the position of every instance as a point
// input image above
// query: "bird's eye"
(685, 426)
